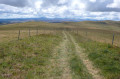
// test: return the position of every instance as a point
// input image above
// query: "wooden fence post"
(113, 38)
(19, 35)
(77, 32)
(86, 33)
(37, 32)
(29, 33)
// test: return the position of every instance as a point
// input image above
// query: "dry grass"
(101, 31)
(8, 35)
(101, 36)
(48, 35)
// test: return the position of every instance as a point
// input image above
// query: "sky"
(76, 9)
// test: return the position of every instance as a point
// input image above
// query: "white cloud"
(115, 4)
(77, 5)
(93, 0)
(38, 4)
(84, 9)
(62, 1)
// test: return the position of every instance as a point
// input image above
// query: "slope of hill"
(67, 50)
(104, 25)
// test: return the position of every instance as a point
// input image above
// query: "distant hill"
(10, 21)
(104, 25)
(79, 23)
(51, 20)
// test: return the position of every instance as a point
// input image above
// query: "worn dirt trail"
(59, 68)
(91, 69)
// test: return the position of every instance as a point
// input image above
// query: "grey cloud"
(21, 9)
(48, 3)
(23, 3)
(99, 6)
(16, 3)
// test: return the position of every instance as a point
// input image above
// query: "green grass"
(27, 58)
(104, 56)
(78, 69)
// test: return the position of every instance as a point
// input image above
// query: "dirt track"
(59, 67)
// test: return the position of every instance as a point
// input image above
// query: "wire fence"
(109, 37)
(112, 38)
(7, 35)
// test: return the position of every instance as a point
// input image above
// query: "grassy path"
(59, 68)
(39, 58)
(91, 69)
(65, 62)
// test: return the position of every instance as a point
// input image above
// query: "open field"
(68, 50)
(101, 31)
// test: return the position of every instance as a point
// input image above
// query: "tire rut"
(59, 68)
(91, 69)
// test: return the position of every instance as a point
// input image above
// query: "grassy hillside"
(27, 58)
(104, 56)
(103, 25)
(50, 50)
(101, 31)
